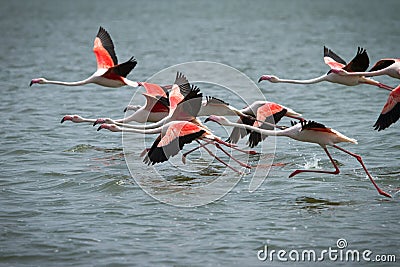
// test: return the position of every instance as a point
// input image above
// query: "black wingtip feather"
(333, 55)
(161, 154)
(211, 99)
(387, 119)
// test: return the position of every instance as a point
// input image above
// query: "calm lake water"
(67, 197)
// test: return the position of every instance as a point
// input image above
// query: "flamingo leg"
(359, 159)
(336, 171)
(192, 150)
(251, 152)
(220, 160)
(229, 155)
(380, 85)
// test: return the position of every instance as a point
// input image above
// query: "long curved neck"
(77, 83)
(143, 131)
(261, 131)
(309, 81)
(145, 126)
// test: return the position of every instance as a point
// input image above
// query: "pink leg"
(358, 157)
(192, 150)
(251, 152)
(229, 155)
(384, 86)
(336, 171)
(220, 160)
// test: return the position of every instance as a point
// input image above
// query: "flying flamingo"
(390, 112)
(311, 132)
(386, 66)
(109, 73)
(173, 136)
(359, 63)
(262, 114)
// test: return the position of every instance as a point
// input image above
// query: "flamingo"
(311, 132)
(386, 66)
(109, 73)
(262, 114)
(390, 112)
(173, 136)
(359, 63)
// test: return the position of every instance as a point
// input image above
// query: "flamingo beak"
(100, 127)
(261, 78)
(125, 109)
(30, 84)
(206, 120)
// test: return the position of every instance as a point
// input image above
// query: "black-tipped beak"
(206, 120)
(30, 84)
(261, 78)
(125, 109)
(95, 123)
(98, 129)
(62, 120)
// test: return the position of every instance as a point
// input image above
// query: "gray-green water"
(67, 197)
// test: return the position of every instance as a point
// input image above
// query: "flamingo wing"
(169, 144)
(190, 106)
(271, 113)
(382, 64)
(120, 70)
(103, 49)
(390, 112)
(154, 89)
(156, 103)
(359, 63)
(180, 89)
(238, 132)
(315, 126)
(332, 59)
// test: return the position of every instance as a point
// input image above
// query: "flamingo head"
(110, 127)
(73, 118)
(38, 80)
(218, 119)
(271, 78)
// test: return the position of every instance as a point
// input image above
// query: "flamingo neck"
(145, 126)
(77, 83)
(309, 81)
(258, 130)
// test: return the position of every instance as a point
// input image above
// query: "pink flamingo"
(311, 132)
(359, 63)
(386, 66)
(390, 112)
(109, 73)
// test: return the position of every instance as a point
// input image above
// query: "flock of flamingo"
(174, 109)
